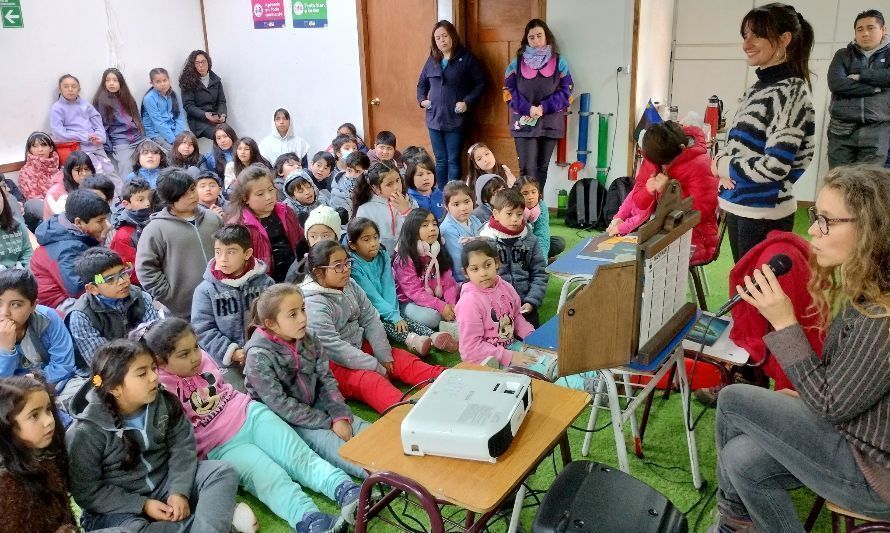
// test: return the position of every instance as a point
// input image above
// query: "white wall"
(314, 72)
(595, 38)
(655, 39)
(708, 60)
(84, 38)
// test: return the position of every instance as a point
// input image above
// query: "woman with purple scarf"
(538, 87)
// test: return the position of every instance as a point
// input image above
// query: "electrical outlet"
(624, 69)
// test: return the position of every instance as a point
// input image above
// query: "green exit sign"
(11, 14)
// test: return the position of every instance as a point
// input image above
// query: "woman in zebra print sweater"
(770, 141)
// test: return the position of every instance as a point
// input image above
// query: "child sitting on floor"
(110, 308)
(34, 477)
(132, 452)
(130, 220)
(33, 337)
(270, 457)
(425, 287)
(349, 329)
(62, 239)
(459, 225)
(372, 270)
(522, 264)
(221, 305)
(287, 369)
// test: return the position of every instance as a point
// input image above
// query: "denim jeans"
(327, 444)
(769, 443)
(447, 147)
(427, 316)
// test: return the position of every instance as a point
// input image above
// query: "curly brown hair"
(863, 279)
(189, 79)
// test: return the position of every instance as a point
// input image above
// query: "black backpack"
(585, 205)
(618, 191)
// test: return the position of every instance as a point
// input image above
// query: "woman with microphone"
(833, 435)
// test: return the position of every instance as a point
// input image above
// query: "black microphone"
(780, 264)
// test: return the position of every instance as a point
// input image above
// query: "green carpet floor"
(666, 462)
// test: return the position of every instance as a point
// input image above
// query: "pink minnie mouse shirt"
(489, 321)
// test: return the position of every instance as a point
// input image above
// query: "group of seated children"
(174, 344)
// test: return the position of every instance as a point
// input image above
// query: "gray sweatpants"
(212, 503)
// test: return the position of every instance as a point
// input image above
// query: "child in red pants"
(350, 330)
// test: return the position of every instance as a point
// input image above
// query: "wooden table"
(474, 485)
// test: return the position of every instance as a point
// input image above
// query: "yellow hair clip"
(97, 381)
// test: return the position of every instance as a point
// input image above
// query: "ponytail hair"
(161, 336)
(174, 100)
(770, 21)
(267, 304)
(364, 185)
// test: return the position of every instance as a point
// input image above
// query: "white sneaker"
(244, 521)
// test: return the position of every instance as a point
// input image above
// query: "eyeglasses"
(201, 62)
(124, 274)
(824, 221)
(341, 267)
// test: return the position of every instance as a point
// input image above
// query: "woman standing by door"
(202, 95)
(538, 87)
(451, 82)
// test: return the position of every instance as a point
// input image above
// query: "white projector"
(467, 414)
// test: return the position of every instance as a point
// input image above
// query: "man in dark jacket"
(859, 80)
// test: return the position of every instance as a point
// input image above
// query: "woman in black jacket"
(202, 94)
(451, 83)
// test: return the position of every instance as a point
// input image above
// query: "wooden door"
(394, 44)
(493, 30)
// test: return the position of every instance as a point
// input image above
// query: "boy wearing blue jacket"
(221, 305)
(33, 337)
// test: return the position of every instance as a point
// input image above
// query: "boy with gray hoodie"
(302, 195)
(221, 304)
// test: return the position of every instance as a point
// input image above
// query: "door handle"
(375, 101)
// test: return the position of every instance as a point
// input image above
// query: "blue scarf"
(536, 58)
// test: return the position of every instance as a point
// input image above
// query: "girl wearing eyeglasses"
(350, 330)
(202, 94)
(833, 435)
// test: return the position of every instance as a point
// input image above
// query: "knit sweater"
(36, 176)
(769, 146)
(21, 513)
(849, 386)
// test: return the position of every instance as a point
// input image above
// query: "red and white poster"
(267, 14)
